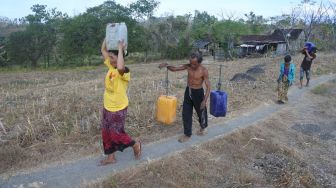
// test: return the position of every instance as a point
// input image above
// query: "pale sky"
(237, 8)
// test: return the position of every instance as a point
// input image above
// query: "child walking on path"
(286, 79)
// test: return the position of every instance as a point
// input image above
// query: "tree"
(201, 25)
(311, 16)
(3, 53)
(227, 33)
(37, 40)
(255, 23)
(170, 36)
(111, 12)
(332, 24)
(81, 37)
(28, 46)
(144, 8)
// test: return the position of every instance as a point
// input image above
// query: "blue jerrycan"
(218, 99)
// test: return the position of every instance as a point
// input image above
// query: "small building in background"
(280, 42)
(203, 46)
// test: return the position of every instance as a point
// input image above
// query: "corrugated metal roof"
(278, 36)
(201, 43)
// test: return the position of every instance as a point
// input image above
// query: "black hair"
(127, 70)
(115, 52)
(198, 56)
(287, 58)
(314, 50)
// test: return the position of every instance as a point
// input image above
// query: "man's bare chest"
(195, 74)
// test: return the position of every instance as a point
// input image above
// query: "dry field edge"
(86, 169)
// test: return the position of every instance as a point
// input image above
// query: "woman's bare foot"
(183, 138)
(110, 159)
(137, 148)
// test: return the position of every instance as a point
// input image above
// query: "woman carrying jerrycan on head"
(115, 105)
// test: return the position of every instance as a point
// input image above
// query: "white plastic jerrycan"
(116, 32)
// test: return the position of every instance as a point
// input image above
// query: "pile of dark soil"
(242, 77)
(256, 70)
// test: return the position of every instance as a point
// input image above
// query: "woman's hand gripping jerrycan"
(116, 32)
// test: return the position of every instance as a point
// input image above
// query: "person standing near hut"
(115, 105)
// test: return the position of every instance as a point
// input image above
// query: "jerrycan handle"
(167, 81)
(219, 84)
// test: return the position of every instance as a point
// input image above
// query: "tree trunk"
(146, 56)
(34, 63)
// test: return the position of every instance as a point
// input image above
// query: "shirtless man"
(194, 94)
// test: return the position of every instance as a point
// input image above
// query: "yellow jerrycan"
(166, 107)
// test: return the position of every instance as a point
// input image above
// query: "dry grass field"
(292, 148)
(54, 116)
